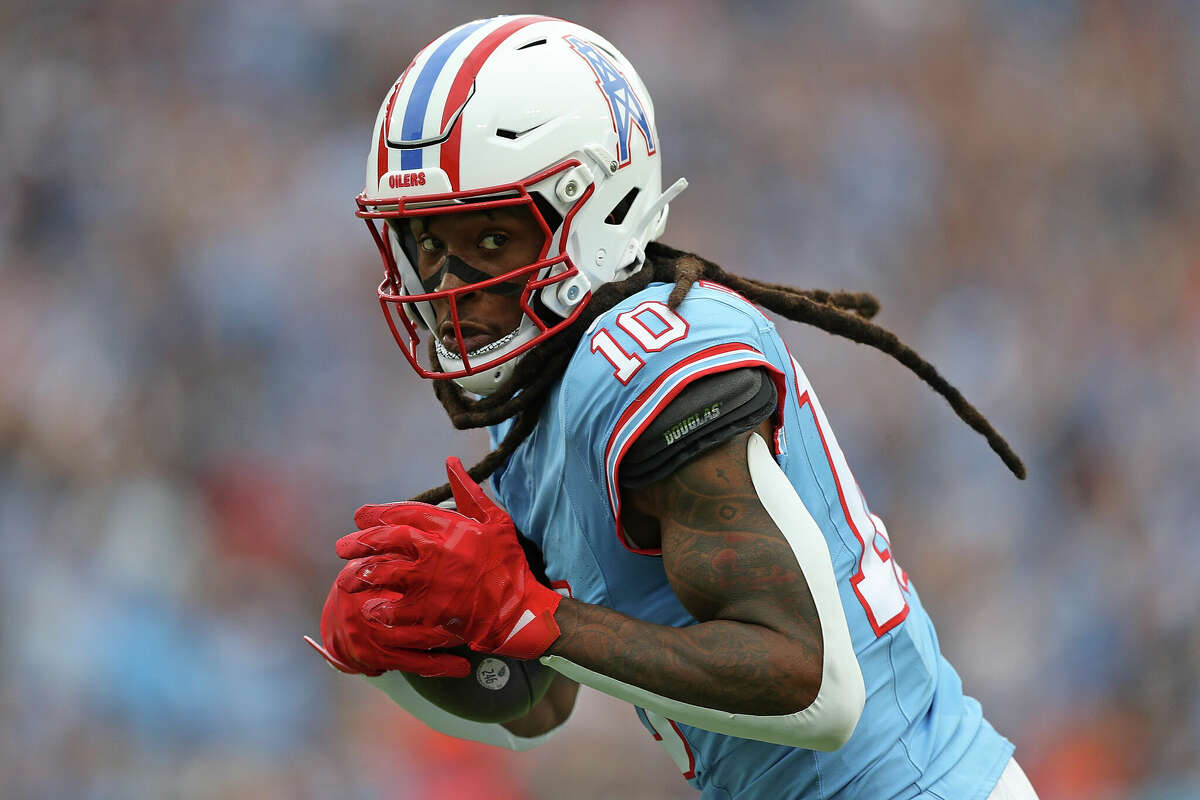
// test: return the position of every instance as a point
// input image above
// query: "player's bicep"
(739, 546)
(722, 552)
(710, 411)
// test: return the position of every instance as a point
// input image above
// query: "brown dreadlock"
(845, 314)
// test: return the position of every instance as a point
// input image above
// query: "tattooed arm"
(757, 648)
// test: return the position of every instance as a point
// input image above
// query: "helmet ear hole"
(621, 209)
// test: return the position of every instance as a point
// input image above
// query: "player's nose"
(459, 272)
(449, 281)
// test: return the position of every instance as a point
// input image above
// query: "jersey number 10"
(653, 325)
(880, 583)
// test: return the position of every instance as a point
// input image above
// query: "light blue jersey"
(918, 736)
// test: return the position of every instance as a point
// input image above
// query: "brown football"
(498, 689)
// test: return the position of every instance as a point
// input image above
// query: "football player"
(706, 553)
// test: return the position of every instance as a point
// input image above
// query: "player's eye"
(429, 244)
(493, 241)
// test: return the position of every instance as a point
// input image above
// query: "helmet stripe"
(386, 124)
(418, 101)
(462, 85)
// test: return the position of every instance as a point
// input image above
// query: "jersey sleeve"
(637, 358)
(707, 413)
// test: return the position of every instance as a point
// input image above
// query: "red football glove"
(439, 577)
(355, 644)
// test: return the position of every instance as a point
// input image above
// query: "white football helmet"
(514, 111)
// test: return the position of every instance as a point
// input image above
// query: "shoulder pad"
(708, 412)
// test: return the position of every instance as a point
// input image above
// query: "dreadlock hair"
(845, 314)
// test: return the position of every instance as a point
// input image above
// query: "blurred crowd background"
(197, 388)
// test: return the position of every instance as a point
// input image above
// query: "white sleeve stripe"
(831, 718)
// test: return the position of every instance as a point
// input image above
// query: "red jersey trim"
(680, 372)
(880, 628)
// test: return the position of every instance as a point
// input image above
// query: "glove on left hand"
(353, 644)
(455, 575)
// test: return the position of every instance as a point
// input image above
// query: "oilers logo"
(626, 106)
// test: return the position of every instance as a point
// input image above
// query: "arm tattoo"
(757, 649)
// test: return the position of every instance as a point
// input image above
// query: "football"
(499, 688)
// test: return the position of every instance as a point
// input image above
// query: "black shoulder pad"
(708, 412)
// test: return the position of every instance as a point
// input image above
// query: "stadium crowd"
(197, 388)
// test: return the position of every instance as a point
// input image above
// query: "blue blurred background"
(197, 388)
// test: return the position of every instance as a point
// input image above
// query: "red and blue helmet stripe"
(463, 50)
